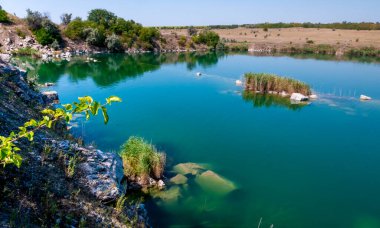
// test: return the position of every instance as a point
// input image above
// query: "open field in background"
(286, 37)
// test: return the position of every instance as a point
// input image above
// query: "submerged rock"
(179, 179)
(188, 168)
(170, 195)
(212, 182)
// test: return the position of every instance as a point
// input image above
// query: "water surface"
(293, 166)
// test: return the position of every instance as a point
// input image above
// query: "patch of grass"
(120, 203)
(141, 159)
(28, 51)
(70, 170)
(364, 52)
(270, 82)
(20, 33)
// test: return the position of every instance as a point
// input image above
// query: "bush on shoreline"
(141, 159)
(264, 83)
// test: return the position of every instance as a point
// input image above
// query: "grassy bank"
(266, 83)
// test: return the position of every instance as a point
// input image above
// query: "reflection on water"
(111, 69)
(266, 100)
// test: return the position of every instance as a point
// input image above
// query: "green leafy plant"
(70, 170)
(86, 105)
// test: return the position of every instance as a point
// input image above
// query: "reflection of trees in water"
(268, 100)
(112, 68)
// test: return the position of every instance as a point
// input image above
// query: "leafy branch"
(86, 105)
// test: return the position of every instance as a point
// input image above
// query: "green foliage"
(66, 18)
(364, 52)
(86, 105)
(269, 82)
(147, 38)
(120, 203)
(102, 17)
(95, 36)
(4, 17)
(43, 28)
(114, 44)
(141, 159)
(182, 41)
(55, 45)
(28, 51)
(208, 37)
(70, 170)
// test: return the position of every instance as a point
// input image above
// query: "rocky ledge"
(44, 191)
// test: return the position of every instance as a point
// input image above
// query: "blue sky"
(209, 12)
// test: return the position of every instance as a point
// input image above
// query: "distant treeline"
(340, 25)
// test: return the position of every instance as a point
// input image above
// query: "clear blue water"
(313, 166)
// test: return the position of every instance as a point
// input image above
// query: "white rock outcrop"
(298, 97)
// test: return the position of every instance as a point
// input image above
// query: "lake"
(316, 165)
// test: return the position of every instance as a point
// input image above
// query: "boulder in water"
(214, 183)
(365, 98)
(298, 97)
(179, 179)
(188, 168)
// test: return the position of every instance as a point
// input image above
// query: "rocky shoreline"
(40, 192)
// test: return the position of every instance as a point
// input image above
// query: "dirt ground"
(296, 37)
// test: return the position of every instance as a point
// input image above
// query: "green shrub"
(182, 41)
(94, 37)
(141, 159)
(4, 17)
(43, 28)
(208, 37)
(20, 33)
(66, 18)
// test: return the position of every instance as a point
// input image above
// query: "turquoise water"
(311, 166)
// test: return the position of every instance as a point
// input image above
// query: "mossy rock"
(212, 182)
(179, 179)
(188, 168)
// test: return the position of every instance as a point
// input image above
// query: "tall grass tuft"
(141, 159)
(264, 83)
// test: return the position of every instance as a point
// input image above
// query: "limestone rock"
(179, 179)
(298, 97)
(103, 174)
(188, 168)
(212, 182)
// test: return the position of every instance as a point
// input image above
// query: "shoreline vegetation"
(104, 32)
(273, 84)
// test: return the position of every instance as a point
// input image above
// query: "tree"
(113, 43)
(4, 16)
(102, 17)
(66, 18)
(208, 37)
(94, 37)
(34, 19)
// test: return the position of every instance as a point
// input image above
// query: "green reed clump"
(141, 159)
(364, 52)
(270, 82)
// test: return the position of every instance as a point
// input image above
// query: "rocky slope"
(42, 192)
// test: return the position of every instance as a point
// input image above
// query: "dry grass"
(285, 37)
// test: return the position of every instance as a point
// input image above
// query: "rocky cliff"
(47, 189)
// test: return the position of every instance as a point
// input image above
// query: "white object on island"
(365, 98)
(199, 74)
(298, 97)
(238, 82)
(313, 96)
(284, 94)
